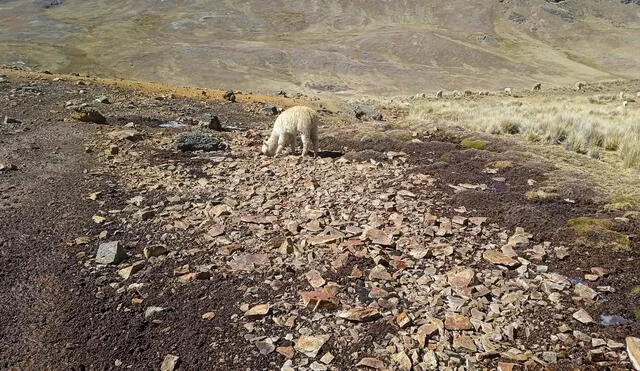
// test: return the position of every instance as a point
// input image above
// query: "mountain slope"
(372, 46)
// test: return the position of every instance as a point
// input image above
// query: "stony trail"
(390, 258)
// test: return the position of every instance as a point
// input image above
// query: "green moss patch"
(475, 144)
(596, 233)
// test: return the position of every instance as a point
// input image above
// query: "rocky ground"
(120, 250)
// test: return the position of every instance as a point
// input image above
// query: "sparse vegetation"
(624, 203)
(597, 233)
(540, 194)
(471, 143)
(584, 125)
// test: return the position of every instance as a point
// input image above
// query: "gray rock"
(229, 95)
(199, 142)
(550, 357)
(110, 253)
(7, 167)
(102, 99)
(211, 122)
(10, 120)
(150, 311)
(270, 109)
(87, 114)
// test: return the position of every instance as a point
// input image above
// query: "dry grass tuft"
(580, 124)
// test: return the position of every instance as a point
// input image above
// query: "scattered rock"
(210, 121)
(154, 251)
(103, 99)
(327, 358)
(403, 320)
(457, 322)
(10, 120)
(324, 298)
(134, 268)
(379, 273)
(315, 279)
(360, 314)
(520, 239)
(496, 257)
(323, 239)
(583, 316)
(585, 292)
(373, 363)
(110, 253)
(403, 360)
(633, 350)
(7, 167)
(143, 215)
(461, 277)
(424, 332)
(550, 357)
(265, 346)
(505, 366)
(288, 352)
(151, 311)
(208, 315)
(270, 109)
(310, 345)
(90, 115)
(464, 343)
(258, 311)
(169, 363)
(378, 237)
(193, 276)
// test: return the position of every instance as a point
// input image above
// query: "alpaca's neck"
(272, 142)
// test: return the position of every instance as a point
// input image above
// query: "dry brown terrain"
(385, 252)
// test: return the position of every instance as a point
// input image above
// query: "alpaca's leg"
(314, 141)
(282, 142)
(294, 144)
(305, 144)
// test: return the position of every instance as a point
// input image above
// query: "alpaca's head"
(265, 149)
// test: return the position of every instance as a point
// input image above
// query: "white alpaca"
(638, 94)
(580, 85)
(298, 119)
(621, 95)
(440, 93)
(507, 91)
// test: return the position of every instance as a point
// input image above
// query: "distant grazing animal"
(468, 92)
(456, 93)
(298, 119)
(621, 95)
(580, 85)
(537, 87)
(483, 92)
(440, 93)
(507, 91)
(624, 104)
(638, 94)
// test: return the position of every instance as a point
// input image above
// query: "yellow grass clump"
(581, 124)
